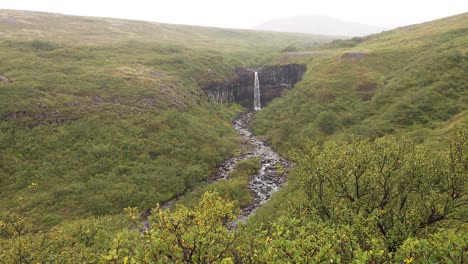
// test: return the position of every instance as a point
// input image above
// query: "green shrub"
(327, 121)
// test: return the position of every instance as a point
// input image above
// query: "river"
(270, 177)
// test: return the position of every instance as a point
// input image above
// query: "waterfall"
(257, 104)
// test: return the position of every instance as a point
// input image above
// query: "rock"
(353, 55)
(5, 79)
(97, 99)
(262, 184)
(274, 80)
(73, 103)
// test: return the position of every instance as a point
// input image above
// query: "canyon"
(274, 80)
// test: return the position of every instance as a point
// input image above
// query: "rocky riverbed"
(270, 177)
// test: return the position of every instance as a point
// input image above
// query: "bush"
(388, 187)
(327, 121)
(289, 48)
(41, 45)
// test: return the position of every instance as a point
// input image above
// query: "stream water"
(262, 185)
(268, 179)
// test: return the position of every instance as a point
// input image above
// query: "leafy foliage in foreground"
(388, 187)
(82, 241)
(384, 206)
(197, 235)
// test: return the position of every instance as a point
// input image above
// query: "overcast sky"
(249, 13)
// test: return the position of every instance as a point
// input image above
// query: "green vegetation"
(405, 80)
(234, 188)
(367, 127)
(103, 114)
(382, 202)
(389, 187)
(97, 115)
(81, 241)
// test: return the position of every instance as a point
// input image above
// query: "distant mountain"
(319, 25)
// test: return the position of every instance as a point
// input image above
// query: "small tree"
(198, 235)
(388, 187)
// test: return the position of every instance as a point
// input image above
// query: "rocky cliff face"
(274, 80)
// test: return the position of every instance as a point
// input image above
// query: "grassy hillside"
(91, 31)
(410, 79)
(101, 114)
(378, 131)
(410, 83)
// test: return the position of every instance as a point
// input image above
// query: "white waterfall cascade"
(257, 104)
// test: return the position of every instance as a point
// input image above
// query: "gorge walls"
(274, 80)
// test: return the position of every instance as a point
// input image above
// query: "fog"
(249, 13)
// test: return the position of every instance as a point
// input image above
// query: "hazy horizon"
(321, 25)
(244, 14)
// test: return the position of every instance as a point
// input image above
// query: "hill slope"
(370, 116)
(102, 114)
(93, 126)
(319, 25)
(409, 79)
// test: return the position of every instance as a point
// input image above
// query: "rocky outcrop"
(5, 79)
(33, 119)
(353, 55)
(274, 80)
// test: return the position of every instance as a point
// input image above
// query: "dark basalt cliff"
(273, 81)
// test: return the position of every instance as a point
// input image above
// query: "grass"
(409, 82)
(399, 81)
(234, 188)
(100, 114)
(103, 113)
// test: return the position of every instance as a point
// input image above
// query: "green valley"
(102, 119)
(103, 114)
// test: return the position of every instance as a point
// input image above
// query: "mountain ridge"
(316, 24)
